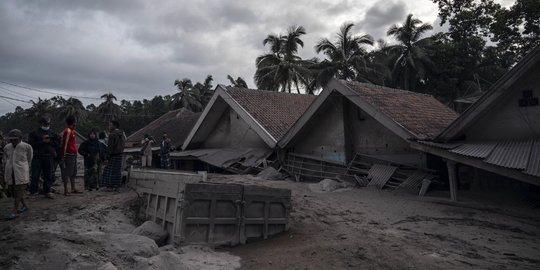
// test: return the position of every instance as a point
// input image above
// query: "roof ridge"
(247, 90)
(395, 90)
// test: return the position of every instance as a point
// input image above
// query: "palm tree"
(239, 82)
(205, 90)
(187, 97)
(282, 69)
(411, 59)
(345, 57)
(71, 107)
(39, 108)
(108, 109)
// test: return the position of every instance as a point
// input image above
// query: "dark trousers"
(43, 168)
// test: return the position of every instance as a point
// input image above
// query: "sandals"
(11, 216)
(22, 210)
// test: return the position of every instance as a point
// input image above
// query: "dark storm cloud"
(136, 49)
(380, 17)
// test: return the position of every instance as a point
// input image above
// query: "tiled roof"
(421, 114)
(176, 123)
(275, 111)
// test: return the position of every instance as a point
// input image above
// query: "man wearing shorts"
(17, 159)
(68, 163)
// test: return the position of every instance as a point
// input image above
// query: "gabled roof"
(176, 123)
(270, 114)
(498, 92)
(409, 114)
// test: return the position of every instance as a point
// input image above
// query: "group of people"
(165, 148)
(27, 162)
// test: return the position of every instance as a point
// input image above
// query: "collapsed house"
(176, 123)
(239, 129)
(353, 126)
(498, 138)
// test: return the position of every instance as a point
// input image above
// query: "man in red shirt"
(68, 162)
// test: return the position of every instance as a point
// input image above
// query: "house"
(497, 139)
(239, 128)
(353, 122)
(176, 123)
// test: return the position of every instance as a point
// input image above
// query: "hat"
(14, 134)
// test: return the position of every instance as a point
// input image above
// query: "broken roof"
(496, 94)
(176, 123)
(270, 114)
(409, 114)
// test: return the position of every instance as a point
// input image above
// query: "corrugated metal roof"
(511, 154)
(533, 167)
(379, 174)
(445, 146)
(477, 150)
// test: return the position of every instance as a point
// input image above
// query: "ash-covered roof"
(421, 114)
(176, 123)
(274, 111)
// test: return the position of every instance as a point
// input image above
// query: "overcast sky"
(137, 48)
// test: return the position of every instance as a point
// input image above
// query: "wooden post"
(452, 179)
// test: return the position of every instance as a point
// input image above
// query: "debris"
(329, 185)
(270, 173)
(153, 231)
(362, 181)
(108, 266)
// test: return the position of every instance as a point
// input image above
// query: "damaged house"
(352, 126)
(239, 129)
(497, 140)
(176, 123)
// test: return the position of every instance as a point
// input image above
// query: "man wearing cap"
(45, 150)
(17, 158)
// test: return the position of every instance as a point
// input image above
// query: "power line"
(56, 93)
(7, 100)
(48, 92)
(16, 99)
(14, 92)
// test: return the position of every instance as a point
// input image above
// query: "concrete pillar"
(452, 179)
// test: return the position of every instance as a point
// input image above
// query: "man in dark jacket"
(44, 143)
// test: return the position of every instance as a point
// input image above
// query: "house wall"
(232, 131)
(508, 120)
(324, 134)
(370, 137)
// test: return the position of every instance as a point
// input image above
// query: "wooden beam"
(452, 179)
(477, 163)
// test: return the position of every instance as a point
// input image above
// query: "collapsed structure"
(176, 123)
(239, 129)
(351, 126)
(498, 138)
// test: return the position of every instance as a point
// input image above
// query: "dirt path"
(358, 229)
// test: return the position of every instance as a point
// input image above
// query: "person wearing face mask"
(43, 142)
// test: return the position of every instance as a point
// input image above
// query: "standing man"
(103, 149)
(164, 150)
(44, 148)
(146, 151)
(68, 161)
(17, 158)
(112, 174)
